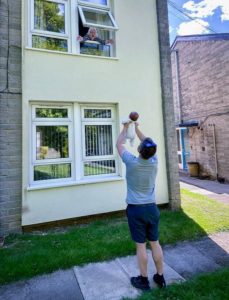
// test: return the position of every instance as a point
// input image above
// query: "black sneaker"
(140, 282)
(160, 280)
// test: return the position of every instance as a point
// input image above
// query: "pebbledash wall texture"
(10, 117)
(11, 113)
(203, 75)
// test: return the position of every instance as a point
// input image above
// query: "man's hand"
(136, 125)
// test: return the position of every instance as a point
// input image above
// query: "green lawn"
(212, 286)
(27, 255)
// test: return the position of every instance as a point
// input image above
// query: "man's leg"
(157, 256)
(141, 282)
(158, 260)
(142, 258)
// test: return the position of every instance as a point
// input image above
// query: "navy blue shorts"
(143, 222)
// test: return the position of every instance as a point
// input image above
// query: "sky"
(206, 16)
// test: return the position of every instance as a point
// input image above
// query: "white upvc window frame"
(98, 121)
(87, 24)
(76, 143)
(90, 4)
(51, 122)
(51, 34)
(71, 28)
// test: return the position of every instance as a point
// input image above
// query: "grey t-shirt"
(140, 177)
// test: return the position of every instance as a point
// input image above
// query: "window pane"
(51, 113)
(97, 113)
(90, 48)
(97, 17)
(99, 167)
(51, 142)
(100, 2)
(98, 140)
(49, 43)
(52, 172)
(49, 16)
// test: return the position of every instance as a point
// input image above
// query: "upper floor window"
(50, 25)
(91, 22)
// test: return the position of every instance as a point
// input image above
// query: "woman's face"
(92, 34)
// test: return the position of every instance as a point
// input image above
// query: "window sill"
(73, 54)
(74, 183)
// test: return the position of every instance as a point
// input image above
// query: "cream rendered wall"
(132, 82)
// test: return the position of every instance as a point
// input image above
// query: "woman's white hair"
(94, 29)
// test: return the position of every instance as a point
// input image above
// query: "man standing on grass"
(142, 212)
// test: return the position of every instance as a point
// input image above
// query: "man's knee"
(156, 248)
(155, 244)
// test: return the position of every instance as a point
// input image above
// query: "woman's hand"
(110, 41)
(79, 38)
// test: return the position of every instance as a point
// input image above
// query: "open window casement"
(104, 4)
(93, 17)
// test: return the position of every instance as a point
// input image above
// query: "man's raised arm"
(140, 135)
(121, 140)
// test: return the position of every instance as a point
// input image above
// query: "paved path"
(209, 188)
(110, 280)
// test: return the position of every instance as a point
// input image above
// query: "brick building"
(58, 161)
(200, 71)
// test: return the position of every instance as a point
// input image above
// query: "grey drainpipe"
(176, 54)
(214, 143)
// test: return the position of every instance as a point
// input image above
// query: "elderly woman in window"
(92, 35)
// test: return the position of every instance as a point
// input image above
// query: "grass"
(199, 215)
(27, 255)
(212, 286)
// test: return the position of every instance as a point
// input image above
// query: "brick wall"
(168, 109)
(10, 117)
(204, 96)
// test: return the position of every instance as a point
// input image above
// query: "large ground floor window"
(72, 142)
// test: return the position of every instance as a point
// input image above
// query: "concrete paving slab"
(187, 260)
(215, 247)
(104, 281)
(210, 185)
(224, 198)
(130, 266)
(207, 191)
(61, 285)
(111, 280)
(221, 239)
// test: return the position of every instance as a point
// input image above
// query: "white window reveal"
(52, 147)
(49, 23)
(98, 142)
